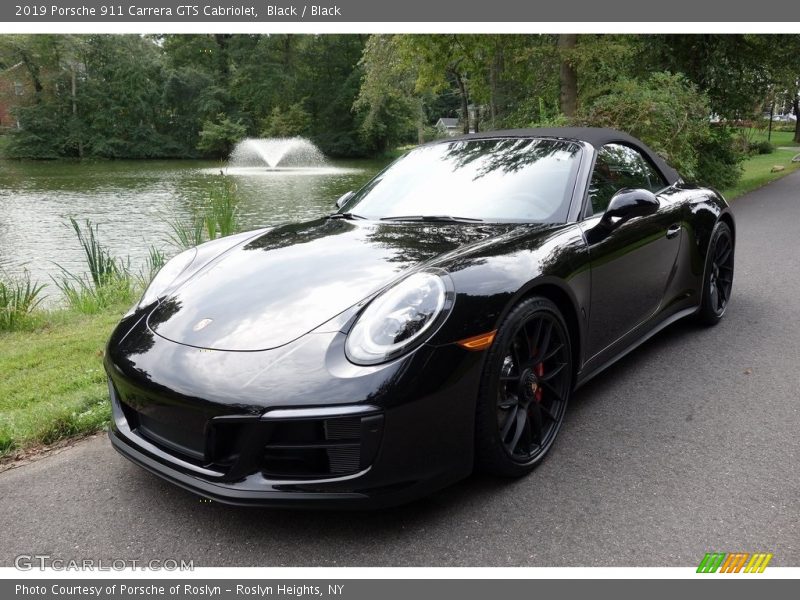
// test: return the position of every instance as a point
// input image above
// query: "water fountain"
(280, 157)
(277, 154)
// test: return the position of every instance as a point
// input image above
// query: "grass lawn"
(779, 138)
(52, 383)
(757, 171)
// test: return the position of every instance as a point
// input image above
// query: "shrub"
(220, 218)
(222, 214)
(84, 297)
(763, 147)
(109, 281)
(18, 297)
(669, 114)
(719, 159)
(155, 260)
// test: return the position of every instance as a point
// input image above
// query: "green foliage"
(109, 280)
(763, 147)
(719, 160)
(19, 296)
(83, 297)
(757, 171)
(185, 234)
(42, 135)
(329, 86)
(669, 114)
(291, 122)
(86, 418)
(220, 136)
(103, 267)
(602, 60)
(132, 96)
(95, 95)
(222, 215)
(535, 112)
(153, 263)
(781, 135)
(52, 382)
(220, 218)
(387, 103)
(7, 443)
(734, 71)
(190, 97)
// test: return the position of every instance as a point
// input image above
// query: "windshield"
(485, 179)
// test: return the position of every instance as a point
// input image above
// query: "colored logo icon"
(734, 562)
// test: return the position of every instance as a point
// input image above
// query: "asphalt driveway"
(688, 445)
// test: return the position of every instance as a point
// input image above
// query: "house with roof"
(15, 88)
(448, 126)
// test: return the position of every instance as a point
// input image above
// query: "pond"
(133, 203)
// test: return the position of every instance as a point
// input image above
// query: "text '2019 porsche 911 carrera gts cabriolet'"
(437, 322)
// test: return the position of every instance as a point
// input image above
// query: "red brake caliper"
(539, 370)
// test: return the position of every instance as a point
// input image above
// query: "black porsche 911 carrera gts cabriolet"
(438, 322)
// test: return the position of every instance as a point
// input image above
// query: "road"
(690, 444)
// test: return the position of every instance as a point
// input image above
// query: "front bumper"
(407, 430)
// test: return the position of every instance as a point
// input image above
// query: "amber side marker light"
(478, 342)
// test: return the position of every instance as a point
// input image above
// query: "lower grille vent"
(317, 448)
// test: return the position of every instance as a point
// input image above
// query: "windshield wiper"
(345, 215)
(434, 219)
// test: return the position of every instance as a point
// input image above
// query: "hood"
(275, 287)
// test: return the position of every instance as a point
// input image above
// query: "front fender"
(490, 284)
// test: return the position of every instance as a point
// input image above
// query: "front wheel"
(527, 381)
(718, 281)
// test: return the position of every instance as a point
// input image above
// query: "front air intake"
(321, 448)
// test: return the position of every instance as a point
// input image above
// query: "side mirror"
(344, 198)
(628, 203)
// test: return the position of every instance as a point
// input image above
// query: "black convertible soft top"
(596, 136)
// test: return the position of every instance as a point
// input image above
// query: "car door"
(631, 260)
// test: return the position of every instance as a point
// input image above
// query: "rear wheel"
(719, 275)
(525, 388)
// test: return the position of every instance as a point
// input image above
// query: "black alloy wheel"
(719, 275)
(526, 387)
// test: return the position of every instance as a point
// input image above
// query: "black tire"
(718, 276)
(520, 410)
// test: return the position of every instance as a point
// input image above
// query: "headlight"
(400, 318)
(168, 273)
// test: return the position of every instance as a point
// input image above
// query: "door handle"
(673, 231)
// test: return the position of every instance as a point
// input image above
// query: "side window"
(617, 167)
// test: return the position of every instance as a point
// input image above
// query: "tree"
(733, 70)
(387, 101)
(355, 95)
(796, 107)
(568, 74)
(218, 137)
(785, 56)
(289, 122)
(121, 98)
(669, 114)
(328, 85)
(440, 61)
